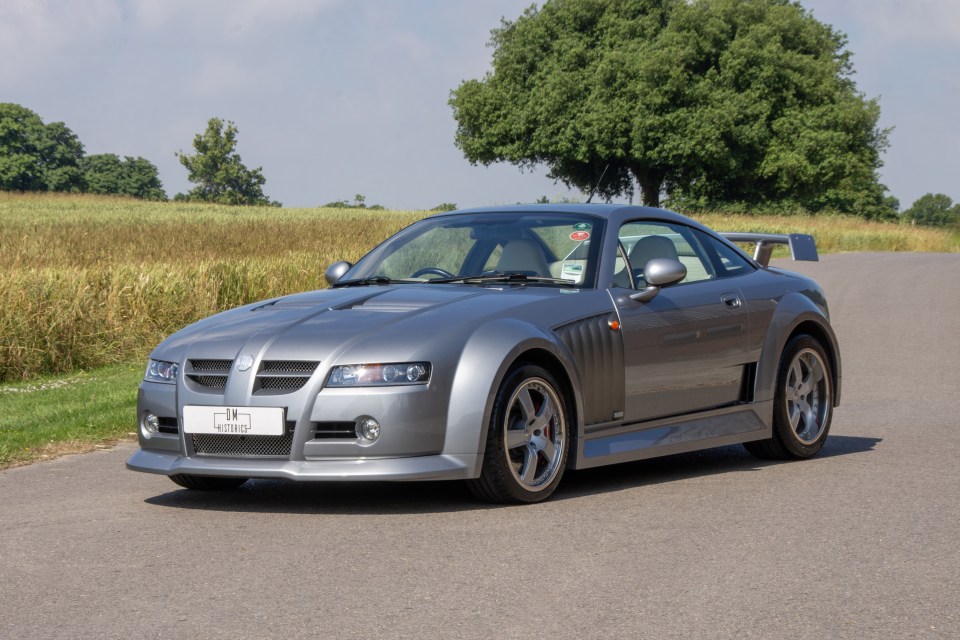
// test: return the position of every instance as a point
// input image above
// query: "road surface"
(860, 542)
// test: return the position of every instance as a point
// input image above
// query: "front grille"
(206, 366)
(285, 383)
(283, 376)
(243, 446)
(209, 375)
(209, 382)
(288, 366)
(330, 430)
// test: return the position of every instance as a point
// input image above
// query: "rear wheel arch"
(828, 343)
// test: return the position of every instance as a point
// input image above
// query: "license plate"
(241, 421)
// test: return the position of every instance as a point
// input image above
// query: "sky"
(334, 98)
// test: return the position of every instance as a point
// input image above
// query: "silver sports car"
(501, 347)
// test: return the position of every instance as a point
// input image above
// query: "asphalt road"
(860, 542)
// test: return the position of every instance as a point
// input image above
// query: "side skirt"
(715, 428)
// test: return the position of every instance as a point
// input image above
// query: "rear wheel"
(527, 440)
(207, 483)
(803, 403)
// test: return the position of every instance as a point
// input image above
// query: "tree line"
(38, 156)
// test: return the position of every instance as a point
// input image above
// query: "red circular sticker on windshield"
(579, 236)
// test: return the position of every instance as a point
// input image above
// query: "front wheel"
(207, 483)
(803, 403)
(527, 440)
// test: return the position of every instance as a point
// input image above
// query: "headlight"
(379, 375)
(160, 371)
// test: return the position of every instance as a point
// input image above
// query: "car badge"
(244, 363)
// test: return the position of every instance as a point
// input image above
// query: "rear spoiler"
(802, 246)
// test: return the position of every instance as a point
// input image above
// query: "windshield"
(535, 248)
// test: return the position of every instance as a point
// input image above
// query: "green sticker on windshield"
(582, 226)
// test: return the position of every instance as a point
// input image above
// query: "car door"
(686, 349)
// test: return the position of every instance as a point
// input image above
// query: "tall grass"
(87, 281)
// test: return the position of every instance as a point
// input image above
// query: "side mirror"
(335, 271)
(658, 273)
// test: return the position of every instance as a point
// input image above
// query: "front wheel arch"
(548, 361)
(528, 440)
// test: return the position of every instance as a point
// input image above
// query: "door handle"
(731, 300)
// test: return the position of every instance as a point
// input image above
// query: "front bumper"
(432, 467)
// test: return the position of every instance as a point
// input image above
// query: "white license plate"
(241, 421)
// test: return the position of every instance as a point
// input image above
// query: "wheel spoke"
(547, 413)
(526, 406)
(548, 448)
(791, 394)
(529, 472)
(517, 438)
(810, 417)
(816, 372)
(793, 414)
(796, 375)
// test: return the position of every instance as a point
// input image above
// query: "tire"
(207, 483)
(802, 405)
(528, 439)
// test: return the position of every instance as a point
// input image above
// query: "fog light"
(151, 423)
(368, 429)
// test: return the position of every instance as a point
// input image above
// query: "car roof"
(616, 213)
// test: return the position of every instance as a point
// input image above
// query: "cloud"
(35, 33)
(226, 19)
(919, 21)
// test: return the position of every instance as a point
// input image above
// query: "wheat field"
(87, 281)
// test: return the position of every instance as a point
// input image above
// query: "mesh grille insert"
(285, 383)
(209, 375)
(211, 366)
(243, 446)
(288, 366)
(283, 376)
(210, 382)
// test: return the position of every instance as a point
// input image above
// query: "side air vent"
(283, 376)
(335, 430)
(168, 425)
(598, 351)
(208, 375)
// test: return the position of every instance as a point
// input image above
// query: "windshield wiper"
(380, 280)
(503, 277)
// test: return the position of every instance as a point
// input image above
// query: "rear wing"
(802, 246)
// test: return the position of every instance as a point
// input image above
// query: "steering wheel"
(435, 271)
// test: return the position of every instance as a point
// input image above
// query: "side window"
(644, 241)
(727, 261)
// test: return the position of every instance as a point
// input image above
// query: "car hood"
(314, 325)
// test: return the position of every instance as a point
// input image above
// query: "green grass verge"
(51, 416)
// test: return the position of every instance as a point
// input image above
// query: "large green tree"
(709, 101)
(216, 169)
(35, 156)
(106, 173)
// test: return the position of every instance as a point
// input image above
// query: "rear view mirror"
(335, 271)
(659, 272)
